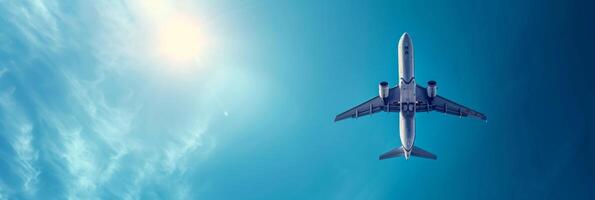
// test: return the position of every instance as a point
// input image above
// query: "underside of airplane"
(408, 98)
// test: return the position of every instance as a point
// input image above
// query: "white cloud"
(19, 133)
(100, 141)
(97, 133)
(93, 139)
(80, 162)
(36, 21)
(176, 152)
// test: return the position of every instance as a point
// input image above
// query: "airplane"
(407, 98)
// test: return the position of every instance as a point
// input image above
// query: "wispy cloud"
(19, 134)
(105, 125)
(100, 141)
(81, 163)
(36, 22)
(93, 138)
(176, 151)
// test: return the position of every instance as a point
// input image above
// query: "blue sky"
(235, 100)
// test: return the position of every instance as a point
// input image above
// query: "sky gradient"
(236, 99)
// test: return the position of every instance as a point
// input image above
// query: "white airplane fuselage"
(407, 88)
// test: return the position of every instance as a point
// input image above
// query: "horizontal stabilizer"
(419, 152)
(396, 152)
(416, 151)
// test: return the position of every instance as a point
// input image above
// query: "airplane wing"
(443, 105)
(374, 105)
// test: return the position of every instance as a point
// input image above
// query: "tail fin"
(416, 151)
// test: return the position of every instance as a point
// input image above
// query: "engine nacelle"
(383, 89)
(432, 89)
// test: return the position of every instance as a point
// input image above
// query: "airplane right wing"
(374, 105)
(443, 105)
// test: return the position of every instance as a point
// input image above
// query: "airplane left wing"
(443, 105)
(374, 105)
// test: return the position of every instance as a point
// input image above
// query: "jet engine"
(432, 89)
(383, 89)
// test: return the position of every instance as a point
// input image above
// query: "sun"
(175, 35)
(179, 40)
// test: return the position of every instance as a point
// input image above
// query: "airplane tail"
(419, 152)
(396, 152)
(416, 151)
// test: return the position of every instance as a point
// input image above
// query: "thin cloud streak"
(19, 134)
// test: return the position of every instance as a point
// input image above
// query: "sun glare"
(178, 40)
(175, 35)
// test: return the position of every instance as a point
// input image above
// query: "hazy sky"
(152, 99)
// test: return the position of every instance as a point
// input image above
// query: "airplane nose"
(405, 39)
(405, 36)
